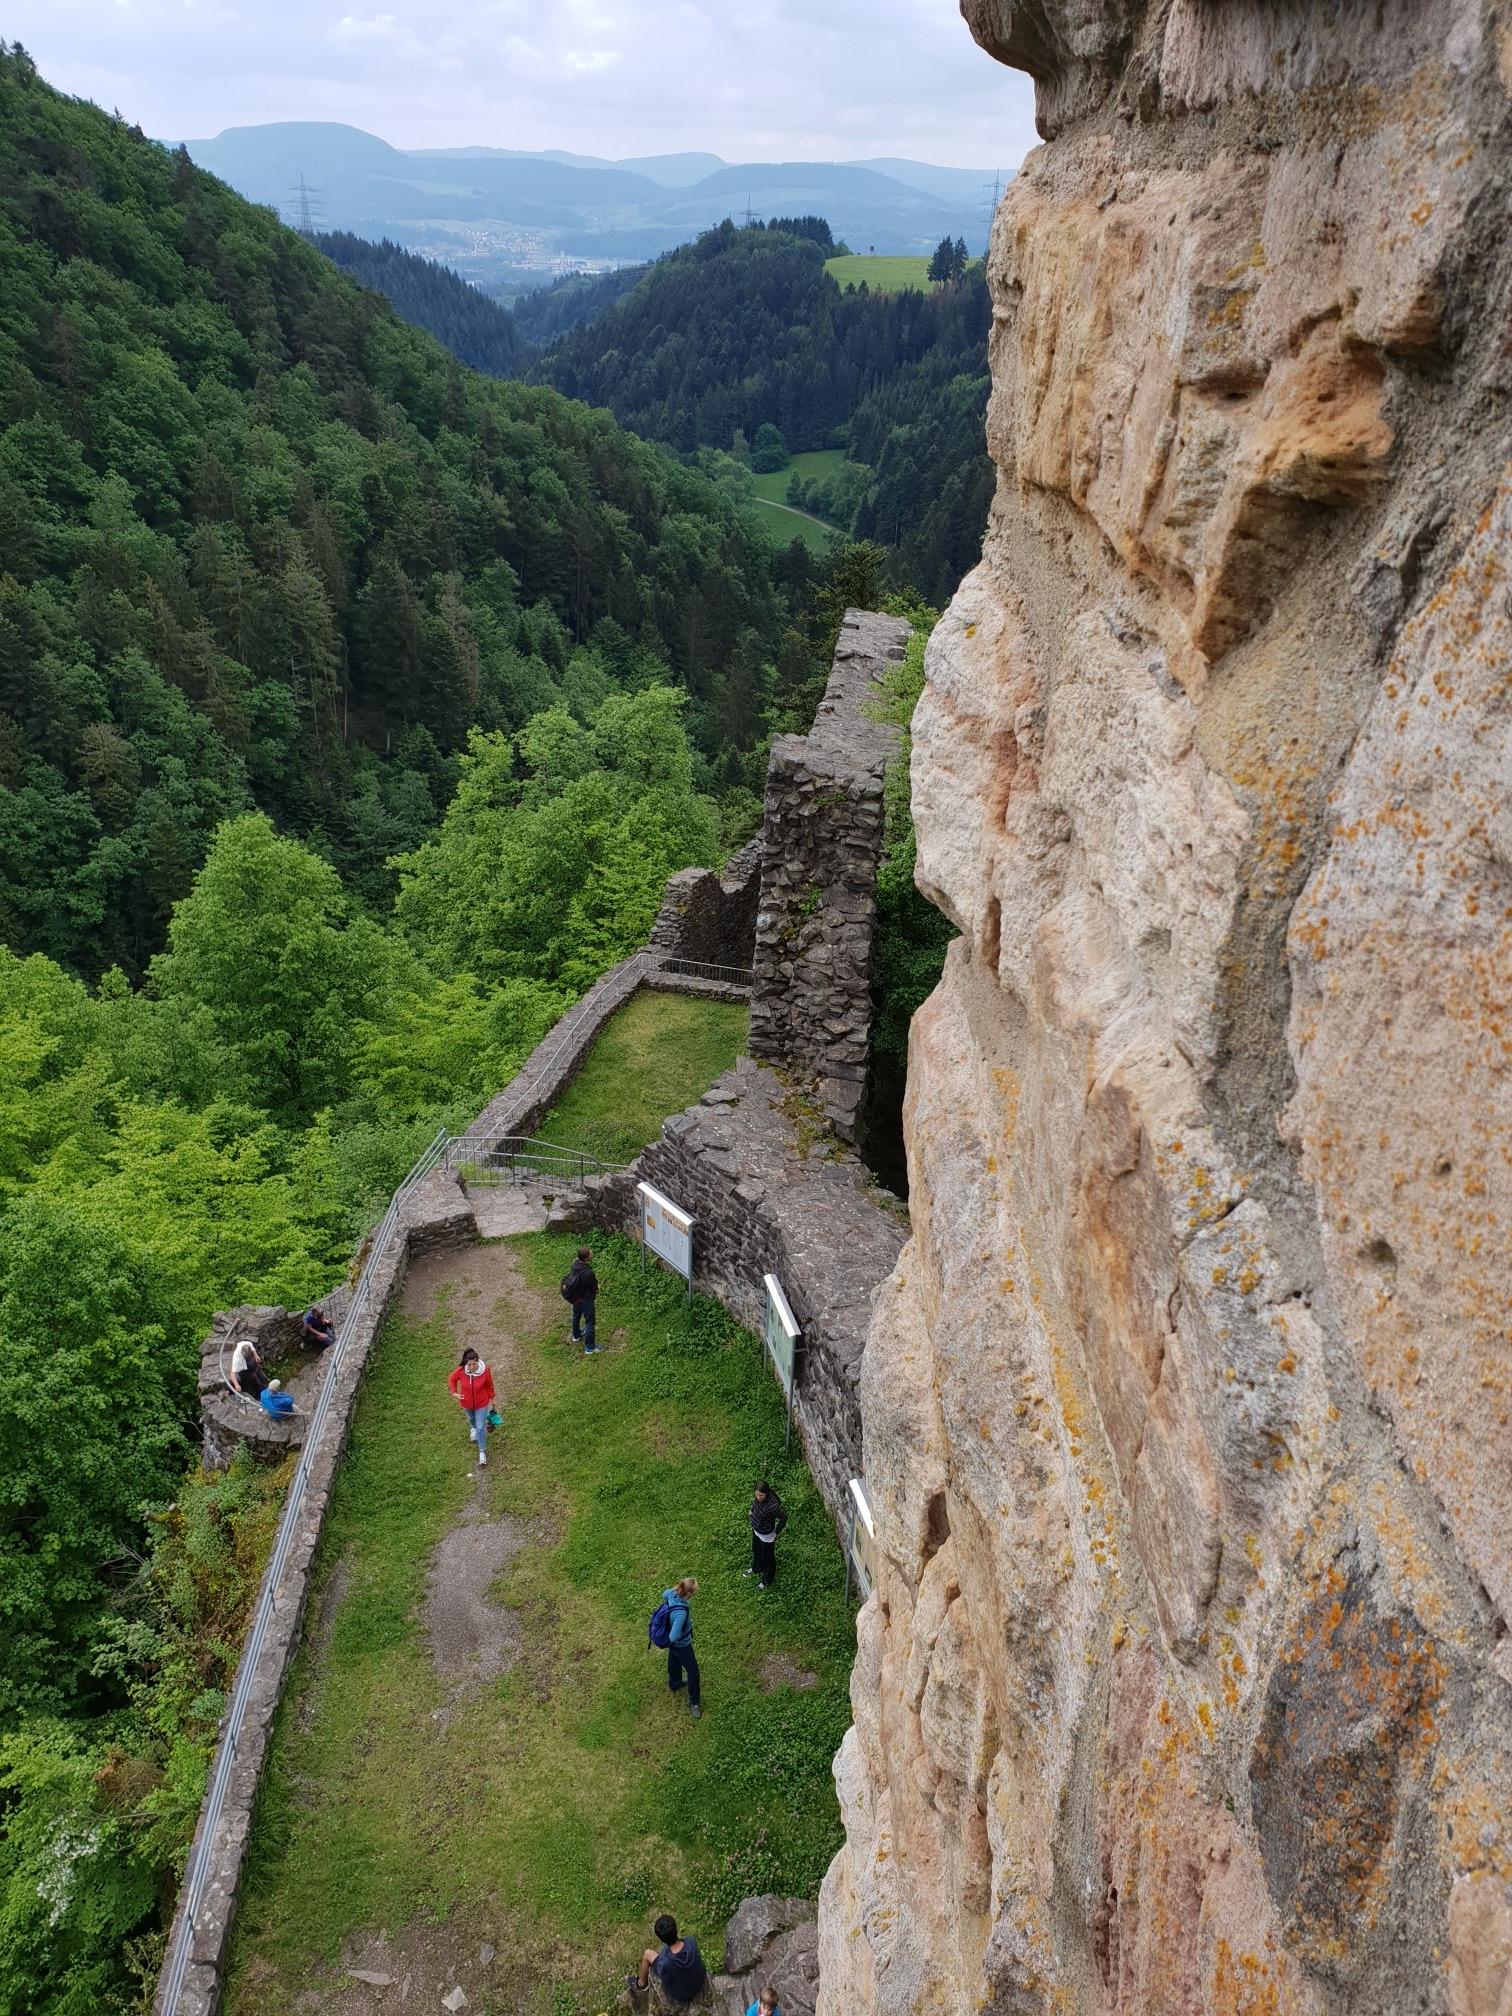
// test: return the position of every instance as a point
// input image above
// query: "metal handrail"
(703, 969)
(509, 1156)
(201, 1854)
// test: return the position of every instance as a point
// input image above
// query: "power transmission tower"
(992, 202)
(748, 215)
(306, 205)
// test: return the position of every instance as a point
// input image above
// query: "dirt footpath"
(471, 1637)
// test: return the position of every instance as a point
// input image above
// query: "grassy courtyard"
(550, 1809)
(656, 1056)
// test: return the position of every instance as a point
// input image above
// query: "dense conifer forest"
(744, 329)
(430, 296)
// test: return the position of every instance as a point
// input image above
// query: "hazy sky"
(748, 79)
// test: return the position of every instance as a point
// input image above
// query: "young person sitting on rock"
(317, 1329)
(766, 2004)
(247, 1375)
(677, 1964)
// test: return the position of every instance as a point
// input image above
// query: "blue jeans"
(680, 1660)
(477, 1426)
(582, 1323)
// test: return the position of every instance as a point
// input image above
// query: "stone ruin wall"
(821, 845)
(1186, 1687)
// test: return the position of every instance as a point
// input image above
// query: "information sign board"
(862, 1545)
(667, 1231)
(782, 1333)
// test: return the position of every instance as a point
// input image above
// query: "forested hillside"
(430, 296)
(353, 710)
(551, 311)
(263, 545)
(744, 329)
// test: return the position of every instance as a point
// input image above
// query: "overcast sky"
(759, 80)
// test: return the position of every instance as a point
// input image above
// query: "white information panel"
(667, 1231)
(863, 1538)
(782, 1333)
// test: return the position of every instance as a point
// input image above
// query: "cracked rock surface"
(1185, 1685)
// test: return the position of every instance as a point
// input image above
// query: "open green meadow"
(781, 523)
(414, 1818)
(884, 273)
(657, 1055)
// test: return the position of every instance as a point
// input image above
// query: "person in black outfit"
(768, 1517)
(580, 1287)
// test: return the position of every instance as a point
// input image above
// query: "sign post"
(666, 1231)
(861, 1541)
(782, 1336)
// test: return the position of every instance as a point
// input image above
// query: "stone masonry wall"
(1186, 1685)
(821, 841)
(711, 917)
(774, 1191)
(436, 1216)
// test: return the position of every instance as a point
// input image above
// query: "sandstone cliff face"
(1186, 1685)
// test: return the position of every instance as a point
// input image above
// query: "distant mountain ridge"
(492, 211)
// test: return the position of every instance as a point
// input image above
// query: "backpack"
(569, 1282)
(659, 1630)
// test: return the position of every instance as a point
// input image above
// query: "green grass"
(815, 463)
(657, 1055)
(572, 1798)
(783, 525)
(883, 273)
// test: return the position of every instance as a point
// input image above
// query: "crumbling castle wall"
(1186, 1686)
(821, 845)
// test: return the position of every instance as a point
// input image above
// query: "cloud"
(763, 80)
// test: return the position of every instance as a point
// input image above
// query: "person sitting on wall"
(273, 1400)
(317, 1328)
(677, 1964)
(247, 1375)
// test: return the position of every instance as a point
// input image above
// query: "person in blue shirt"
(273, 1399)
(680, 1655)
(677, 1964)
(766, 2004)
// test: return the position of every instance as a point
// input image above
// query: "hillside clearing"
(783, 522)
(884, 273)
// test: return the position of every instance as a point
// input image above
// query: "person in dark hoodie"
(768, 1517)
(677, 1964)
(580, 1288)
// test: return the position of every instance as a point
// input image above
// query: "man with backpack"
(580, 1288)
(672, 1628)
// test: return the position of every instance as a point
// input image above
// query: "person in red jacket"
(472, 1382)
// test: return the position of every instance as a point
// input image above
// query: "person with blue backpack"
(672, 1628)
